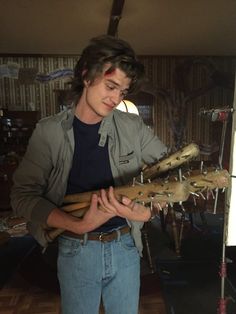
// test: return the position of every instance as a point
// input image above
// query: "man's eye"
(111, 87)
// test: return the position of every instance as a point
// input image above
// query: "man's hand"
(95, 216)
(125, 209)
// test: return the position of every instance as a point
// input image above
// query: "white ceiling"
(153, 27)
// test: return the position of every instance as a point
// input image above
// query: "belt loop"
(85, 239)
(118, 234)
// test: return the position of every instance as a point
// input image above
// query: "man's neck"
(85, 114)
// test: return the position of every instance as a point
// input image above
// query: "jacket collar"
(67, 123)
(104, 130)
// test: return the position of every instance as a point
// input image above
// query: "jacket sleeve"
(30, 179)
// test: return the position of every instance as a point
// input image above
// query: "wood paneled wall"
(161, 73)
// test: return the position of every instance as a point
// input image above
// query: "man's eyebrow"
(113, 82)
(116, 84)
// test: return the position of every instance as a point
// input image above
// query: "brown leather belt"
(101, 236)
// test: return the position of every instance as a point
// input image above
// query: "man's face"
(106, 92)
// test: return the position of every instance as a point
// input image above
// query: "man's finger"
(128, 202)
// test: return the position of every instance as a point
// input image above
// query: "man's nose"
(116, 97)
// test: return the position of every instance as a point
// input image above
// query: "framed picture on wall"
(63, 99)
(145, 104)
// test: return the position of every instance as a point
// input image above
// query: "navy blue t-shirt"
(91, 166)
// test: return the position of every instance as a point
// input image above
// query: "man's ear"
(86, 83)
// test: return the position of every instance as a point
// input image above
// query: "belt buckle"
(101, 235)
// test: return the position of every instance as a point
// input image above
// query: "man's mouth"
(110, 106)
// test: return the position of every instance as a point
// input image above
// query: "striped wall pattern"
(17, 96)
(160, 72)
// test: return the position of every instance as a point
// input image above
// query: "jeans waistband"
(101, 236)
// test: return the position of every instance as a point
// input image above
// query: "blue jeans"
(89, 271)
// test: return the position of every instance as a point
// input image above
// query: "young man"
(92, 146)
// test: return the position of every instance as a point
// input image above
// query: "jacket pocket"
(126, 158)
